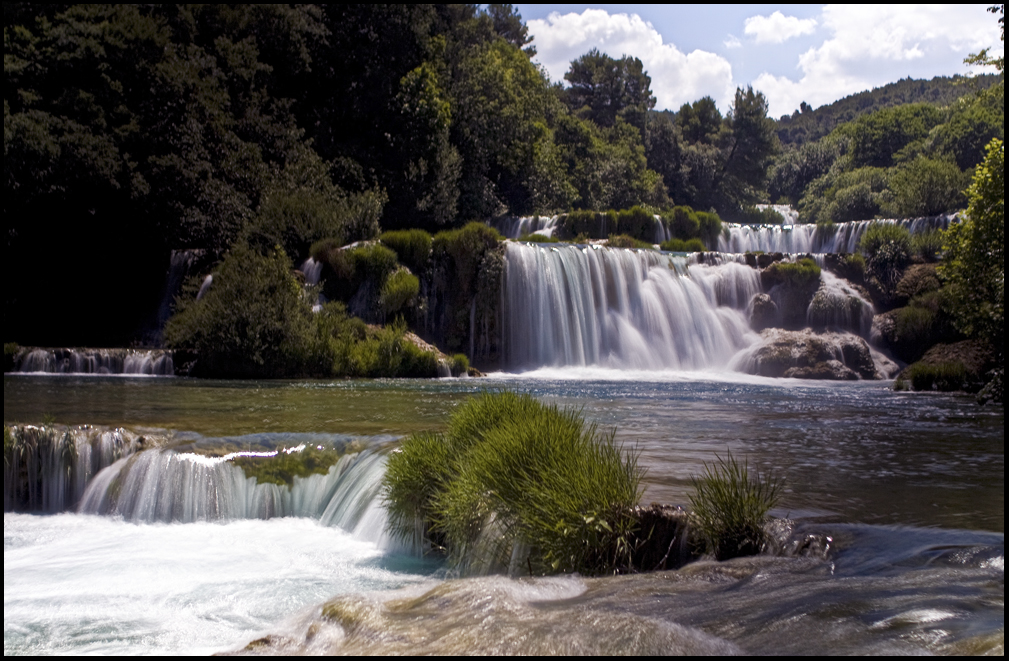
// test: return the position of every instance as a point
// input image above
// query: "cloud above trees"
(850, 49)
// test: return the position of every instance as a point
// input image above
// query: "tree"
(604, 89)
(974, 260)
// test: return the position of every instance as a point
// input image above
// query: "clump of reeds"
(517, 485)
(730, 507)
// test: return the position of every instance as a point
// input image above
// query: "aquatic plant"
(730, 507)
(282, 468)
(625, 241)
(538, 238)
(460, 364)
(514, 484)
(803, 274)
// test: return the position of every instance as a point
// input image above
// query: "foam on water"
(77, 584)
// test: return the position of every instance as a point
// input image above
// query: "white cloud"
(677, 77)
(732, 42)
(778, 28)
(872, 45)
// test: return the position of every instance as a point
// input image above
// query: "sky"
(791, 53)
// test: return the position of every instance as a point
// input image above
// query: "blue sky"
(792, 53)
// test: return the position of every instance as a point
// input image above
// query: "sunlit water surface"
(911, 487)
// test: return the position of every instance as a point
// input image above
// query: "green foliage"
(602, 89)
(412, 247)
(751, 215)
(592, 224)
(282, 468)
(538, 238)
(927, 245)
(944, 377)
(360, 351)
(803, 274)
(974, 254)
(679, 245)
(637, 222)
(515, 484)
(887, 247)
(876, 138)
(625, 241)
(400, 290)
(730, 507)
(254, 321)
(925, 187)
(460, 365)
(358, 274)
(842, 196)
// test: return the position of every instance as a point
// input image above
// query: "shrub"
(730, 508)
(538, 238)
(927, 245)
(945, 377)
(625, 241)
(803, 274)
(751, 215)
(412, 247)
(348, 269)
(400, 290)
(636, 222)
(595, 225)
(679, 245)
(460, 364)
(683, 223)
(887, 247)
(926, 187)
(516, 484)
(710, 226)
(254, 321)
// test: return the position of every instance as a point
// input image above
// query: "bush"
(803, 274)
(887, 247)
(515, 484)
(683, 223)
(679, 245)
(399, 291)
(944, 377)
(636, 222)
(625, 241)
(751, 215)
(348, 270)
(926, 187)
(254, 320)
(590, 223)
(460, 365)
(927, 245)
(412, 247)
(538, 238)
(730, 509)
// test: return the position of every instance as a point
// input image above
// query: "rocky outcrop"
(807, 355)
(763, 312)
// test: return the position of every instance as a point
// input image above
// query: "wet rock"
(661, 540)
(807, 355)
(766, 259)
(763, 312)
(964, 366)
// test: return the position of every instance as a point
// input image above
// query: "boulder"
(763, 312)
(808, 355)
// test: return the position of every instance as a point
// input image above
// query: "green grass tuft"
(730, 507)
(516, 485)
(944, 377)
(679, 245)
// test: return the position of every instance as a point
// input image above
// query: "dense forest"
(278, 132)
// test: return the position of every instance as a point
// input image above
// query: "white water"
(843, 238)
(578, 306)
(76, 584)
(98, 361)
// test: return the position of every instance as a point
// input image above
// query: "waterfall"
(161, 485)
(588, 305)
(841, 238)
(48, 470)
(512, 227)
(157, 362)
(838, 306)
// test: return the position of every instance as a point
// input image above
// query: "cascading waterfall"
(838, 306)
(841, 238)
(512, 227)
(572, 306)
(154, 362)
(48, 469)
(161, 485)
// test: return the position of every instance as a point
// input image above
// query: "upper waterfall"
(569, 305)
(837, 238)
